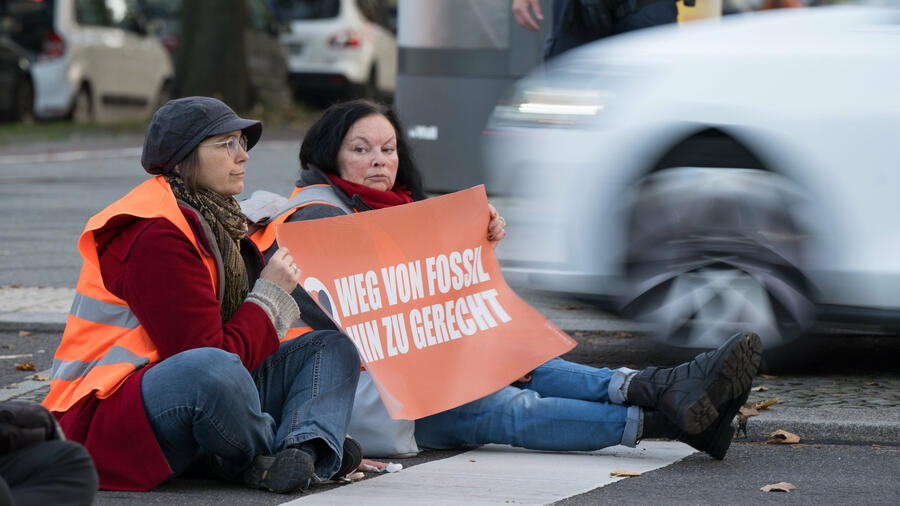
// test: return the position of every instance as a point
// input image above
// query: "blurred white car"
(92, 59)
(340, 47)
(739, 174)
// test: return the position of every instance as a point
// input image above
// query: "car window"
(306, 9)
(92, 13)
(26, 22)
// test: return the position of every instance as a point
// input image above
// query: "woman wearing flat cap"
(172, 354)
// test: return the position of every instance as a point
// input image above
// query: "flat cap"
(181, 124)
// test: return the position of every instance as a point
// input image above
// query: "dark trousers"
(45, 474)
(562, 38)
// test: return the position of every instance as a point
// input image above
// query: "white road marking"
(499, 474)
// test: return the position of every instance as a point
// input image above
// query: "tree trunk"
(210, 59)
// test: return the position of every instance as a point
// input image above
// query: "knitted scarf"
(228, 225)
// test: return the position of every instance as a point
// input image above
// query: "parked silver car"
(739, 174)
(91, 59)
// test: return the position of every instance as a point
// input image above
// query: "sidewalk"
(860, 408)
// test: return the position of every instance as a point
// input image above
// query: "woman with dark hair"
(355, 159)
(173, 352)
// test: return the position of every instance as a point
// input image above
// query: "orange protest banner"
(419, 291)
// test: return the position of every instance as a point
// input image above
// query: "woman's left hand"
(495, 226)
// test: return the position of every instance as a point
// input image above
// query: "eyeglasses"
(231, 144)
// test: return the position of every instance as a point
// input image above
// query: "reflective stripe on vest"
(97, 311)
(73, 369)
(103, 342)
(303, 196)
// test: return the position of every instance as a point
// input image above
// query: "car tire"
(164, 95)
(23, 107)
(82, 107)
(370, 89)
(711, 252)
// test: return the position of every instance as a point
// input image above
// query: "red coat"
(150, 264)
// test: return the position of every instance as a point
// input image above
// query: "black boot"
(693, 394)
(352, 456)
(288, 470)
(714, 441)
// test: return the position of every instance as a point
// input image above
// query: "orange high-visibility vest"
(302, 196)
(103, 341)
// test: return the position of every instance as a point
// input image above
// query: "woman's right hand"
(281, 270)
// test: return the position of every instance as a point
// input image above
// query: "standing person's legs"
(521, 417)
(308, 387)
(205, 400)
(657, 13)
(49, 473)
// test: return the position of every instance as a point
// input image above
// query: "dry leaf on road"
(767, 376)
(25, 366)
(23, 333)
(38, 377)
(761, 388)
(623, 472)
(765, 404)
(783, 437)
(749, 412)
(782, 486)
(873, 384)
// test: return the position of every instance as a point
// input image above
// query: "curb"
(829, 425)
(34, 320)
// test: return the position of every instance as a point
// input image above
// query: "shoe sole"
(733, 379)
(724, 432)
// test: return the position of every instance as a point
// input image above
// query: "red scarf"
(376, 199)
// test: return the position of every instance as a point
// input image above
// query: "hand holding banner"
(419, 291)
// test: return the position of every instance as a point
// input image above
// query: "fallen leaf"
(749, 411)
(881, 448)
(873, 384)
(471, 460)
(783, 437)
(778, 487)
(623, 472)
(23, 333)
(38, 377)
(356, 476)
(25, 366)
(761, 388)
(765, 404)
(579, 333)
(767, 376)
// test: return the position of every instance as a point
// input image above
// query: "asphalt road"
(46, 202)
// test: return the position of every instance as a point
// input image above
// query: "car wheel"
(715, 251)
(164, 95)
(370, 91)
(24, 102)
(82, 108)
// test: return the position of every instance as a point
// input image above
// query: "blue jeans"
(565, 406)
(203, 401)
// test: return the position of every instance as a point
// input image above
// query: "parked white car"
(340, 47)
(739, 174)
(92, 59)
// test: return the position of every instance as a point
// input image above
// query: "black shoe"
(714, 441)
(692, 394)
(288, 470)
(352, 456)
